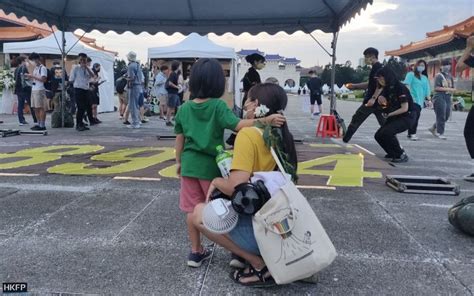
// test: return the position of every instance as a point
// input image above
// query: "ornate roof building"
(445, 44)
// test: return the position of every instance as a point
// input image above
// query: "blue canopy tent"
(200, 16)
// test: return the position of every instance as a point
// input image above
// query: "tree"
(119, 67)
(345, 74)
(397, 66)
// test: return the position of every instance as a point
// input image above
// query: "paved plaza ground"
(77, 229)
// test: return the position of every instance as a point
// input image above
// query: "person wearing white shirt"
(38, 92)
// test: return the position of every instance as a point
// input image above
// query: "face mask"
(420, 68)
(446, 68)
(260, 66)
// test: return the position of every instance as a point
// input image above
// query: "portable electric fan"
(219, 217)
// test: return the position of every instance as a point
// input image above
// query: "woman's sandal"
(262, 280)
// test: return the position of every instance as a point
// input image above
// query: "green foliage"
(272, 139)
(345, 74)
(119, 66)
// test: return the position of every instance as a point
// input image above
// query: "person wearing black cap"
(369, 105)
(444, 89)
(250, 79)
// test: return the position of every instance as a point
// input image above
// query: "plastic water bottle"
(224, 161)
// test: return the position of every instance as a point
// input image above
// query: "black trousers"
(469, 132)
(359, 117)
(386, 136)
(83, 104)
(416, 117)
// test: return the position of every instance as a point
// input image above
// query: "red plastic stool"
(327, 127)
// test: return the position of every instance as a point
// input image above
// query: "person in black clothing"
(23, 89)
(56, 84)
(173, 89)
(369, 105)
(94, 92)
(315, 85)
(466, 61)
(396, 105)
(252, 77)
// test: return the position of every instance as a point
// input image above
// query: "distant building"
(285, 70)
(362, 62)
(447, 43)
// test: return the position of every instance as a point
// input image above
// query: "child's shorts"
(193, 192)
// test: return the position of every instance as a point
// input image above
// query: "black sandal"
(262, 280)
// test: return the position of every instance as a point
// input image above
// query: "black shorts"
(316, 98)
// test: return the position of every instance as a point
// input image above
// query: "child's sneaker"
(196, 259)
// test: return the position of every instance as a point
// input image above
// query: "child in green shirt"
(199, 128)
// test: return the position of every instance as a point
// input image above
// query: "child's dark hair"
(163, 68)
(274, 97)
(207, 79)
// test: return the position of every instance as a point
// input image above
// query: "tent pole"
(63, 78)
(333, 71)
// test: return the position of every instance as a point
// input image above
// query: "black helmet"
(249, 198)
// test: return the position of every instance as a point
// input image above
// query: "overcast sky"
(385, 25)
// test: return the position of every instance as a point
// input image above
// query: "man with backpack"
(38, 92)
(23, 90)
(120, 87)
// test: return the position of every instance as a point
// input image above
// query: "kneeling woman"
(397, 104)
(250, 155)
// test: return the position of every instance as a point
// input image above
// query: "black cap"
(254, 57)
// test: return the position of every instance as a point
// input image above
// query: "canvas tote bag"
(292, 241)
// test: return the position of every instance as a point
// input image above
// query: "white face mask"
(420, 68)
(446, 68)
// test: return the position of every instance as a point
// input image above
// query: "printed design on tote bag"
(294, 247)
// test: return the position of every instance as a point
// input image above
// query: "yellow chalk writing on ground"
(129, 162)
(34, 156)
(348, 171)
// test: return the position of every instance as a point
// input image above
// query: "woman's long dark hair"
(418, 74)
(274, 97)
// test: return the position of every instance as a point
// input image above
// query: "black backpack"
(120, 85)
(461, 215)
(49, 78)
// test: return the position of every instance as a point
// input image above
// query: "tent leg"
(333, 71)
(63, 79)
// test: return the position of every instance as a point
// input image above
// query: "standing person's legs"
(417, 112)
(469, 132)
(133, 108)
(38, 102)
(469, 137)
(32, 110)
(163, 106)
(320, 104)
(439, 106)
(361, 114)
(88, 108)
(173, 102)
(386, 136)
(81, 101)
(21, 106)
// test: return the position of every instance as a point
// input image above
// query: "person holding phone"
(396, 106)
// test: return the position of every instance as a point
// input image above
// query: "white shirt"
(81, 77)
(39, 71)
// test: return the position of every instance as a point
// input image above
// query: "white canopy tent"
(196, 46)
(200, 16)
(50, 45)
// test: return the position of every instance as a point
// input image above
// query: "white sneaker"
(414, 138)
(21, 124)
(442, 137)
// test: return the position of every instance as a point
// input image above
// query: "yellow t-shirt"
(250, 153)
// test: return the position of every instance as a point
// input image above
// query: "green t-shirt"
(203, 125)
